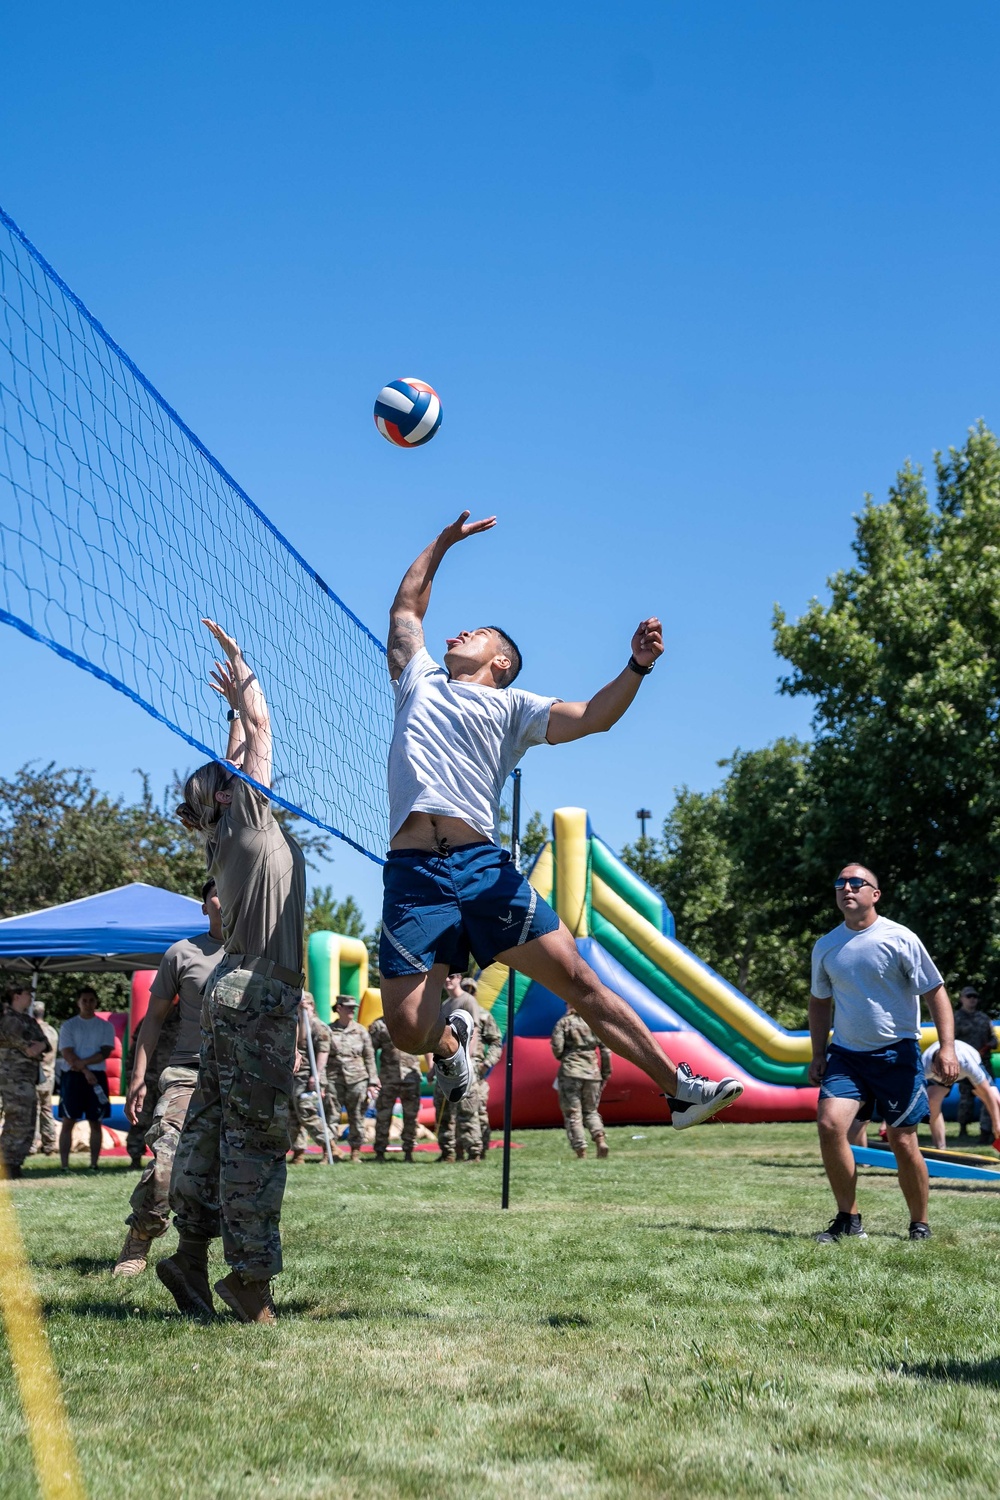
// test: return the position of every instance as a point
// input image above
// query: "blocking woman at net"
(229, 1170)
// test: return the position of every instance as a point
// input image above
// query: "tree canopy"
(901, 662)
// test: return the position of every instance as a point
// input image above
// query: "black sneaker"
(919, 1231)
(844, 1226)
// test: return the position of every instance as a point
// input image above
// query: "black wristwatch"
(640, 671)
(233, 713)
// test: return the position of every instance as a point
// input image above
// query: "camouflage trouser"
(970, 1110)
(20, 1106)
(408, 1091)
(229, 1171)
(459, 1126)
(46, 1131)
(331, 1103)
(151, 1199)
(135, 1140)
(484, 1115)
(304, 1120)
(354, 1097)
(578, 1100)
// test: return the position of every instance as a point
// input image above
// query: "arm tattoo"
(406, 636)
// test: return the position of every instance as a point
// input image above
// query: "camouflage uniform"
(135, 1140)
(460, 1129)
(305, 1106)
(399, 1075)
(352, 1064)
(229, 1171)
(18, 1084)
(580, 1079)
(976, 1028)
(492, 1048)
(46, 1134)
(151, 1199)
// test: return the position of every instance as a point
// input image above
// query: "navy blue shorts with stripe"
(440, 907)
(891, 1079)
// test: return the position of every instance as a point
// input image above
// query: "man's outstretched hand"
(647, 643)
(463, 527)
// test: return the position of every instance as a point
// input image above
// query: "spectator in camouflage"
(23, 1044)
(580, 1080)
(352, 1063)
(399, 1075)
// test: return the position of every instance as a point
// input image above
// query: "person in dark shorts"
(459, 731)
(874, 973)
(85, 1044)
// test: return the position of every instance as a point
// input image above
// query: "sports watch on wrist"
(638, 670)
(233, 713)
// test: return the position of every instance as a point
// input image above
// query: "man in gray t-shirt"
(874, 973)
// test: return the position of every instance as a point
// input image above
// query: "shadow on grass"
(319, 1312)
(759, 1229)
(113, 1312)
(86, 1265)
(958, 1371)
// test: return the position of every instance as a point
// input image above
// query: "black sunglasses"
(854, 881)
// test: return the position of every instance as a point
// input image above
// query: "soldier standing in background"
(580, 1080)
(973, 1025)
(23, 1044)
(460, 1130)
(307, 1089)
(46, 1135)
(399, 1077)
(184, 971)
(492, 1046)
(135, 1140)
(352, 1063)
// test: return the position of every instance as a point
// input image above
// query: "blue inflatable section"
(540, 1009)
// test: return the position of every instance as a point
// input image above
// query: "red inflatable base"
(631, 1098)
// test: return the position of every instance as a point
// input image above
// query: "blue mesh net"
(119, 530)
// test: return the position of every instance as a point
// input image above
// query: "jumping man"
(459, 731)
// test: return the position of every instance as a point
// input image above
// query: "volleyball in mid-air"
(408, 412)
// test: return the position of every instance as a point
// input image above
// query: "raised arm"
(236, 676)
(406, 615)
(572, 721)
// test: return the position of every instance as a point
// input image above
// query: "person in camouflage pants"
(135, 1140)
(46, 1135)
(973, 1025)
(460, 1127)
(580, 1080)
(399, 1078)
(307, 1090)
(22, 1046)
(352, 1064)
(237, 1122)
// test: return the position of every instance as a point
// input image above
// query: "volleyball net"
(119, 530)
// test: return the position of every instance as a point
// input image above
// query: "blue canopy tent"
(112, 932)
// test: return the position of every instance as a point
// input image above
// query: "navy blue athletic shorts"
(77, 1100)
(440, 907)
(891, 1079)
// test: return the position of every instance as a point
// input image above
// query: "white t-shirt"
(875, 978)
(86, 1037)
(455, 743)
(970, 1064)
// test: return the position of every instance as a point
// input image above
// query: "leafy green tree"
(727, 865)
(903, 666)
(534, 838)
(324, 914)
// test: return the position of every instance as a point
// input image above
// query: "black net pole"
(508, 1093)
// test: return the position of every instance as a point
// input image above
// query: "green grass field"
(658, 1324)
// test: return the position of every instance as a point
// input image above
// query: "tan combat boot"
(185, 1276)
(133, 1255)
(297, 1156)
(602, 1146)
(249, 1300)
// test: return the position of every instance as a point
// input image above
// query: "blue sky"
(690, 279)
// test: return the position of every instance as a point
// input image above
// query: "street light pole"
(643, 815)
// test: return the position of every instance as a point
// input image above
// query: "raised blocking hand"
(463, 528)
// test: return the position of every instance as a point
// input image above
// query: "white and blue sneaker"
(698, 1098)
(454, 1074)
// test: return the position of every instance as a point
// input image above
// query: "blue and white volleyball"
(408, 412)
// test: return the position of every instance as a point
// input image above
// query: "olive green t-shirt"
(184, 971)
(260, 876)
